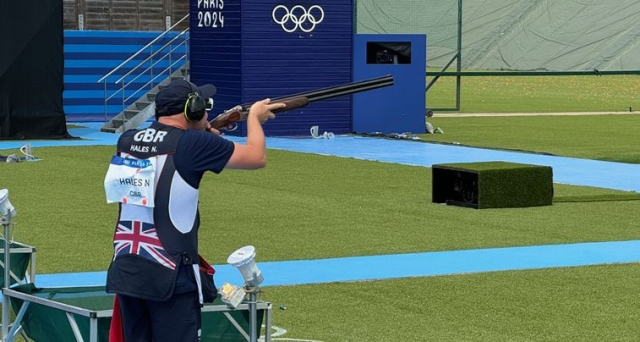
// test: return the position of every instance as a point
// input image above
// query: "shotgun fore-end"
(238, 113)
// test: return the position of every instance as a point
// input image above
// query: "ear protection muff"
(196, 106)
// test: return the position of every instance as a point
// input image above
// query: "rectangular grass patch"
(492, 185)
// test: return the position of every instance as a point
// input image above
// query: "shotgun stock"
(228, 118)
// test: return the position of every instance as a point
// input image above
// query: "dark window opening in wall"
(388, 52)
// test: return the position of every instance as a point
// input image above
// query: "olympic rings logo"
(298, 16)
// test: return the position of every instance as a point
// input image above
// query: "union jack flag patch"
(135, 237)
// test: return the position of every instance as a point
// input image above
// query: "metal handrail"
(142, 73)
(153, 64)
(152, 79)
(144, 48)
(159, 55)
(170, 43)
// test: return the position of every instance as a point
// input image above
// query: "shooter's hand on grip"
(212, 130)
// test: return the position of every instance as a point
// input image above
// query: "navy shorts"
(176, 319)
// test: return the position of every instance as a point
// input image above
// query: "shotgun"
(228, 118)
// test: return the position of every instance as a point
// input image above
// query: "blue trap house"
(251, 50)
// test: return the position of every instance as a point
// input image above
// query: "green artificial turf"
(597, 303)
(301, 206)
(538, 93)
(604, 137)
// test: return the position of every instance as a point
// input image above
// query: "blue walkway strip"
(573, 171)
(428, 264)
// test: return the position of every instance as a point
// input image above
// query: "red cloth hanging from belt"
(116, 331)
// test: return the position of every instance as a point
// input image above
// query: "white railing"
(160, 54)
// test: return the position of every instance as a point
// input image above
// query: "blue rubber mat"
(573, 171)
(405, 265)
(89, 136)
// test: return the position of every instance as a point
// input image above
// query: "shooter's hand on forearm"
(263, 110)
(259, 113)
(253, 154)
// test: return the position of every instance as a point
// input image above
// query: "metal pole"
(105, 101)
(16, 323)
(122, 88)
(151, 67)
(459, 64)
(187, 63)
(170, 52)
(167, 11)
(253, 314)
(93, 329)
(442, 70)
(80, 14)
(6, 221)
(267, 325)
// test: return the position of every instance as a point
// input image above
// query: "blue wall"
(215, 53)
(396, 109)
(89, 55)
(251, 57)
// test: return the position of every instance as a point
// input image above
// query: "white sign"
(212, 16)
(131, 181)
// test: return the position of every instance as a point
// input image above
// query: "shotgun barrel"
(343, 89)
(299, 100)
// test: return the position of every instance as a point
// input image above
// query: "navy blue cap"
(171, 99)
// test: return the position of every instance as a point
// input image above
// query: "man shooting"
(155, 177)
